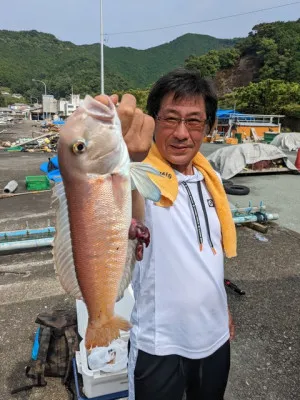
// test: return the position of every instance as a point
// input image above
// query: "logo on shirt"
(166, 174)
(210, 203)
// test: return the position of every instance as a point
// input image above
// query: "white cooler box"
(95, 382)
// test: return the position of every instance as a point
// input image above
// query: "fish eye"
(79, 147)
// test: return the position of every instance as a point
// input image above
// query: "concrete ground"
(265, 353)
(33, 208)
(25, 129)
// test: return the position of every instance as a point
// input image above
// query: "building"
(75, 100)
(5, 115)
(247, 126)
(20, 111)
(5, 111)
(67, 107)
(36, 112)
(49, 104)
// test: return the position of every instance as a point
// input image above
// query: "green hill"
(261, 73)
(271, 51)
(31, 54)
(143, 67)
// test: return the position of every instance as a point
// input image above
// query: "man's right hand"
(137, 127)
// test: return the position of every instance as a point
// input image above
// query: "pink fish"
(93, 254)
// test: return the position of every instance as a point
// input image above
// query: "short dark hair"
(183, 83)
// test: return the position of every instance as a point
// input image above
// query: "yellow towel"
(168, 185)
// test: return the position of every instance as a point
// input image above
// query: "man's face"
(176, 142)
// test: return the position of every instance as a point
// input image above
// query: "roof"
(226, 114)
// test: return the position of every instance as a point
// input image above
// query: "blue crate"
(80, 396)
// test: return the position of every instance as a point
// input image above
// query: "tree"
(266, 97)
(228, 57)
(2, 101)
(210, 63)
(277, 46)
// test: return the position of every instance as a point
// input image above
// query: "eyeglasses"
(192, 124)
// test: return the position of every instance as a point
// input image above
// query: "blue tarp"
(53, 175)
(225, 114)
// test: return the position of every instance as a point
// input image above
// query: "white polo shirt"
(180, 298)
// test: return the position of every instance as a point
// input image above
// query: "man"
(180, 340)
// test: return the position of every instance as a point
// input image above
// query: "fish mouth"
(98, 110)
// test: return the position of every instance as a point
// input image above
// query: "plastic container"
(39, 182)
(238, 136)
(14, 148)
(98, 384)
(80, 396)
(269, 136)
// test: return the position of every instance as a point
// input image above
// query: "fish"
(95, 246)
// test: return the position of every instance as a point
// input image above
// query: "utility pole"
(102, 48)
(37, 80)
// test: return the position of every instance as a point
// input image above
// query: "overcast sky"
(78, 21)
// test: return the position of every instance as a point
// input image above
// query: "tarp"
(287, 141)
(54, 173)
(226, 114)
(230, 161)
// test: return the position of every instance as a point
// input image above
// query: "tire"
(227, 182)
(237, 190)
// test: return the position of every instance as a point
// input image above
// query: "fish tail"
(100, 334)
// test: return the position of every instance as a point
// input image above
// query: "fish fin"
(141, 181)
(100, 334)
(62, 245)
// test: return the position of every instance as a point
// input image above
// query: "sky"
(78, 21)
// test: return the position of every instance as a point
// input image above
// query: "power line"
(204, 20)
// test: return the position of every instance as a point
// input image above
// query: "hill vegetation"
(31, 54)
(261, 73)
(256, 74)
